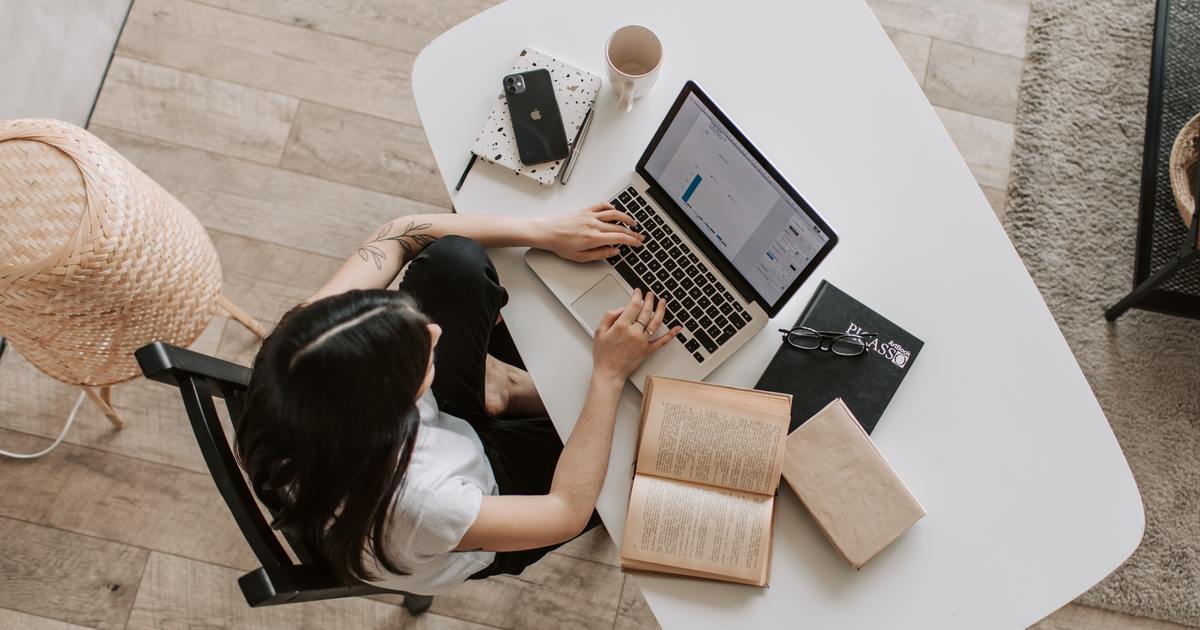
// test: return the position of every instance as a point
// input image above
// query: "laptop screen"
(735, 200)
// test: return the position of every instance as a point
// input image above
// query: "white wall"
(53, 54)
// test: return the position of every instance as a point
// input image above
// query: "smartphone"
(537, 123)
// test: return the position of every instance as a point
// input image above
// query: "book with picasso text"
(866, 383)
(709, 460)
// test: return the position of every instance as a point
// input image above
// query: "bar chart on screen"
(722, 191)
(687, 194)
(738, 205)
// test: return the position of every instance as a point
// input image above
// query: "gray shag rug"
(1072, 215)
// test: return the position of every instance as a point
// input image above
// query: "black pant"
(455, 284)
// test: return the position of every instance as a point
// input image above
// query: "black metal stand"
(1187, 253)
(1166, 269)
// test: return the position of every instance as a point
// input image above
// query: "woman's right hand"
(625, 336)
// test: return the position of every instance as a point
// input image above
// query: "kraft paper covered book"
(708, 464)
(847, 486)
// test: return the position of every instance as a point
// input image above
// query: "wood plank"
(156, 426)
(998, 198)
(974, 81)
(268, 280)
(914, 49)
(543, 608)
(1080, 617)
(407, 25)
(14, 619)
(121, 499)
(364, 151)
(56, 574)
(581, 580)
(264, 54)
(596, 545)
(984, 143)
(263, 202)
(182, 593)
(188, 109)
(634, 613)
(239, 345)
(557, 592)
(568, 592)
(995, 25)
(491, 601)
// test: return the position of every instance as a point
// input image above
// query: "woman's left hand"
(590, 234)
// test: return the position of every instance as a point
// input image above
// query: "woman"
(395, 431)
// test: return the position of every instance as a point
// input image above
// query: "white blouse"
(436, 505)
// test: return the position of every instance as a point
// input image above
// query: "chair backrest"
(200, 379)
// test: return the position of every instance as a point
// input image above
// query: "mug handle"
(625, 104)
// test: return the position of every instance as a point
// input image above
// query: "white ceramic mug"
(634, 56)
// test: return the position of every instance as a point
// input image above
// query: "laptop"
(728, 241)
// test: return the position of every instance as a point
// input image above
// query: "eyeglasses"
(841, 344)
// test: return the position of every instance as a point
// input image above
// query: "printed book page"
(680, 527)
(714, 435)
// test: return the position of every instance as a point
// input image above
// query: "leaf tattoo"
(411, 241)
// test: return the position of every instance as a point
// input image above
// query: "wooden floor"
(290, 130)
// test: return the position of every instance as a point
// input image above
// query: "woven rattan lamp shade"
(96, 259)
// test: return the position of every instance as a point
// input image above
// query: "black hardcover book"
(866, 382)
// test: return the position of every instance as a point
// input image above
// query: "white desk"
(1029, 497)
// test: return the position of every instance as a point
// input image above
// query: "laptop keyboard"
(667, 266)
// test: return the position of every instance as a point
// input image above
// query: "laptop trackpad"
(604, 296)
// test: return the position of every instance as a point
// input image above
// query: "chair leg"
(241, 316)
(1148, 285)
(103, 400)
(417, 604)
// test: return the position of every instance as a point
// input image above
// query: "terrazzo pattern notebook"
(576, 91)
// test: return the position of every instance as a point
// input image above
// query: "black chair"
(279, 580)
(1166, 272)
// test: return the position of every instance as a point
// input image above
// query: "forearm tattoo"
(411, 240)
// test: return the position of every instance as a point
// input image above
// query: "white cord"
(57, 441)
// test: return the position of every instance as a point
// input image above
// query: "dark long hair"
(330, 419)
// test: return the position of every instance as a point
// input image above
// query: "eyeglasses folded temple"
(840, 344)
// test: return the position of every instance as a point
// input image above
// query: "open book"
(708, 464)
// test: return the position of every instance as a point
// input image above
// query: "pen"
(575, 148)
(463, 178)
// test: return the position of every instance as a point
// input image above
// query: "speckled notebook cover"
(576, 91)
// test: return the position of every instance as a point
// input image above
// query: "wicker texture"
(1183, 160)
(96, 259)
